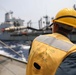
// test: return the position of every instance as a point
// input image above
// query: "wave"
(15, 50)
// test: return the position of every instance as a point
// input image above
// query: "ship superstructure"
(14, 29)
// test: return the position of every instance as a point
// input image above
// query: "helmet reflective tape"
(54, 42)
(65, 17)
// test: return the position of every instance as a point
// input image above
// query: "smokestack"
(7, 17)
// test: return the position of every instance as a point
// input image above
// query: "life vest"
(47, 53)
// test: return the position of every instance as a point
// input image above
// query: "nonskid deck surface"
(10, 66)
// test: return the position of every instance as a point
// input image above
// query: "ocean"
(15, 49)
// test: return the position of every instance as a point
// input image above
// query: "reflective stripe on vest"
(54, 42)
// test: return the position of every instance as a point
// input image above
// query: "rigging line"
(11, 49)
(3, 8)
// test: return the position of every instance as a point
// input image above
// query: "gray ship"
(14, 30)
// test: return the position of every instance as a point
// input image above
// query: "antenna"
(29, 23)
(11, 12)
(47, 21)
(40, 23)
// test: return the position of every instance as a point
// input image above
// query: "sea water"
(15, 49)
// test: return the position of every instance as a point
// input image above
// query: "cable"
(11, 49)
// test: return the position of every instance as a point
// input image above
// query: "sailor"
(55, 54)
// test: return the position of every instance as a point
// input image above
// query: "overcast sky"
(33, 9)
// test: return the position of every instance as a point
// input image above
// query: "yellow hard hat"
(66, 16)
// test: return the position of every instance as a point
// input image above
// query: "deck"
(10, 66)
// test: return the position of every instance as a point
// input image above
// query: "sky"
(33, 9)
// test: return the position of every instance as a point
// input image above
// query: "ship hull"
(6, 36)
